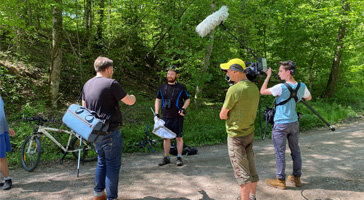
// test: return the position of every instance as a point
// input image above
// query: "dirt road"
(333, 169)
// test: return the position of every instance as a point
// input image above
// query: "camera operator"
(239, 111)
(286, 125)
(174, 99)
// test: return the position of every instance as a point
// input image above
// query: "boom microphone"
(213, 20)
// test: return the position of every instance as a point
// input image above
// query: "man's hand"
(269, 73)
(182, 112)
(11, 132)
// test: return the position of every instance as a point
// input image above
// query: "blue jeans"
(281, 133)
(108, 164)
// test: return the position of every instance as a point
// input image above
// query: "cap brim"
(224, 66)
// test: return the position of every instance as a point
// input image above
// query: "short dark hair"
(102, 63)
(288, 65)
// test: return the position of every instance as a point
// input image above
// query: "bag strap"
(293, 94)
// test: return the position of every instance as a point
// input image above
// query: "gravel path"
(333, 165)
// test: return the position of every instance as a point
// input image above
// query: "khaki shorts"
(242, 158)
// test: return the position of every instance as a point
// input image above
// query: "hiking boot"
(165, 161)
(295, 179)
(7, 185)
(277, 183)
(102, 197)
(179, 161)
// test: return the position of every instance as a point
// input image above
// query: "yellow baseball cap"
(235, 64)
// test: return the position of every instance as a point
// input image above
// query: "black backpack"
(186, 150)
(269, 113)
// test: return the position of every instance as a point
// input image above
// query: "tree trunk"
(206, 61)
(310, 78)
(56, 55)
(100, 24)
(88, 21)
(335, 69)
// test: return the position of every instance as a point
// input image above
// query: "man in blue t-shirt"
(286, 125)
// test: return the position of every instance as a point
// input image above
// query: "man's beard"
(171, 80)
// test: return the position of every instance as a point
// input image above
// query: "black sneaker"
(179, 161)
(7, 185)
(1, 184)
(165, 161)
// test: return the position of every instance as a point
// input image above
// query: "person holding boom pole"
(286, 127)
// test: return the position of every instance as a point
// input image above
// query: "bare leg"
(4, 167)
(167, 146)
(245, 190)
(179, 145)
(253, 188)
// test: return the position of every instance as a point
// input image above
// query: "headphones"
(292, 66)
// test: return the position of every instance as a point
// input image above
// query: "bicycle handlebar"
(36, 118)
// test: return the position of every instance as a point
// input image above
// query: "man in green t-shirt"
(239, 111)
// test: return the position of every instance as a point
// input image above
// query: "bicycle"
(147, 141)
(31, 148)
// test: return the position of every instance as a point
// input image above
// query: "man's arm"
(129, 99)
(224, 113)
(264, 90)
(157, 105)
(185, 105)
(308, 98)
(307, 95)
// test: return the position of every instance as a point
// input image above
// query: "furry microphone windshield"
(213, 20)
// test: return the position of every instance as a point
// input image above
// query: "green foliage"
(143, 37)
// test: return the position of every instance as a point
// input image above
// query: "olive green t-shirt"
(242, 101)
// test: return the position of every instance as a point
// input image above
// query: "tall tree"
(101, 19)
(335, 69)
(56, 55)
(206, 61)
(88, 20)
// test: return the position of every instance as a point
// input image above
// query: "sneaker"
(277, 183)
(179, 161)
(250, 197)
(1, 184)
(7, 185)
(295, 179)
(165, 161)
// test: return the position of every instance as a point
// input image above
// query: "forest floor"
(333, 165)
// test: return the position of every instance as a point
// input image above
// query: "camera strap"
(293, 94)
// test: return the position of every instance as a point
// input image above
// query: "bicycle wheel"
(30, 153)
(88, 152)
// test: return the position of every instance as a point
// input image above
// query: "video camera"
(253, 69)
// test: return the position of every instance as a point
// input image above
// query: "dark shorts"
(175, 125)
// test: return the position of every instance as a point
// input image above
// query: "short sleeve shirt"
(242, 101)
(103, 95)
(287, 113)
(173, 97)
